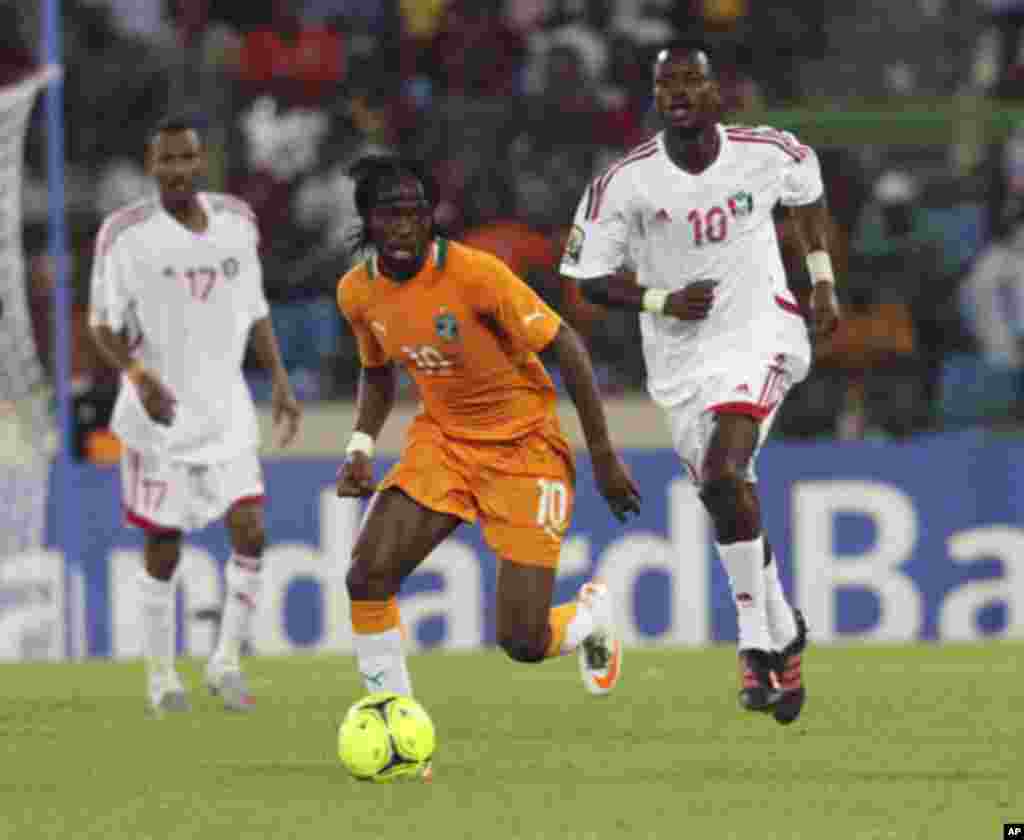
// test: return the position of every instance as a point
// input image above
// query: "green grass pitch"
(909, 743)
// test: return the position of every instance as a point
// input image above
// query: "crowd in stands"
(516, 105)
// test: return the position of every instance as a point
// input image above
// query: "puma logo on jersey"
(533, 316)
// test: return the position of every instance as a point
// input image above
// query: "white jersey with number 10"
(672, 228)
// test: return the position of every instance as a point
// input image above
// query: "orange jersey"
(468, 331)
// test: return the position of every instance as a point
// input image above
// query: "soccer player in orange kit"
(487, 445)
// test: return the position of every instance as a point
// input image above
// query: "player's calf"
(522, 646)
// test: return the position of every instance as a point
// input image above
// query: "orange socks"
(558, 621)
(375, 616)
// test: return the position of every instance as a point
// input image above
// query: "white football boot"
(166, 694)
(228, 682)
(600, 653)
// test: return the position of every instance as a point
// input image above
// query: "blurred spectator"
(16, 58)
(901, 313)
(583, 30)
(142, 19)
(421, 19)
(569, 110)
(95, 54)
(496, 226)
(93, 383)
(998, 65)
(740, 92)
(120, 182)
(475, 52)
(992, 295)
(376, 16)
(291, 60)
(644, 23)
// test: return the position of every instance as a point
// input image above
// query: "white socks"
(781, 623)
(743, 562)
(158, 628)
(243, 585)
(382, 661)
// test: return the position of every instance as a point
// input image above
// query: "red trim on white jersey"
(767, 399)
(133, 467)
(789, 306)
(119, 221)
(796, 151)
(597, 189)
(758, 412)
(147, 525)
(254, 499)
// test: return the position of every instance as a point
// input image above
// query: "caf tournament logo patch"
(447, 327)
(574, 244)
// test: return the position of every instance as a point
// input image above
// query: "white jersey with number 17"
(187, 301)
(672, 228)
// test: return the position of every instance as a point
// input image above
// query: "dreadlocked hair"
(370, 173)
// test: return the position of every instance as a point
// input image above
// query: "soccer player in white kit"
(681, 230)
(177, 291)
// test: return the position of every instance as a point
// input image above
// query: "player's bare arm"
(285, 409)
(155, 397)
(612, 475)
(376, 398)
(576, 309)
(811, 225)
(621, 291)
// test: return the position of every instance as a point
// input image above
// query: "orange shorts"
(521, 491)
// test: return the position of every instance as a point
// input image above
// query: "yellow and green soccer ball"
(387, 736)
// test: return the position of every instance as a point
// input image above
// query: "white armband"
(819, 266)
(654, 301)
(360, 442)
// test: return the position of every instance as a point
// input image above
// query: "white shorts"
(755, 388)
(161, 495)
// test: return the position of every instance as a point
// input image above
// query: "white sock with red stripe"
(243, 584)
(781, 623)
(743, 562)
(157, 607)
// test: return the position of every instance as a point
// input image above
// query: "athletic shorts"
(160, 495)
(522, 491)
(755, 387)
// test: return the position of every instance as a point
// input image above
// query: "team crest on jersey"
(447, 327)
(741, 204)
(574, 244)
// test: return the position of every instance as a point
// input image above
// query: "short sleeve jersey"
(467, 330)
(187, 302)
(673, 227)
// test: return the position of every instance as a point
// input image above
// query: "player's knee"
(733, 508)
(369, 581)
(722, 491)
(521, 646)
(162, 553)
(248, 535)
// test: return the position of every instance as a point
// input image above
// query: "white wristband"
(654, 301)
(819, 266)
(360, 442)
